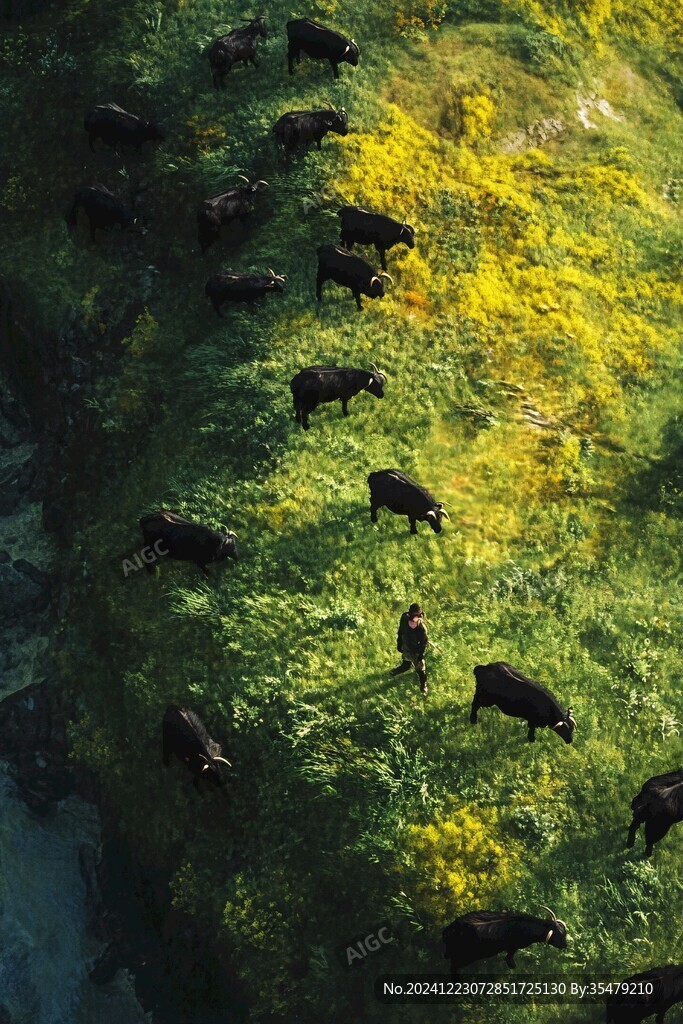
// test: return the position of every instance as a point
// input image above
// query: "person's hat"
(414, 610)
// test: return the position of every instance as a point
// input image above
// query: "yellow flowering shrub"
(458, 863)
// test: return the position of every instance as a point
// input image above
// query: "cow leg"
(655, 830)
(252, 60)
(476, 704)
(510, 958)
(292, 53)
(373, 512)
(356, 296)
(531, 735)
(319, 144)
(202, 566)
(345, 406)
(383, 257)
(335, 68)
(91, 140)
(319, 282)
(413, 525)
(93, 228)
(632, 830)
(217, 306)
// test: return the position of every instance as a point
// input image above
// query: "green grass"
(562, 555)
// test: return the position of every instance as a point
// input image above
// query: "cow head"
(212, 770)
(277, 281)
(376, 383)
(376, 287)
(351, 53)
(153, 132)
(557, 931)
(252, 187)
(566, 726)
(258, 25)
(435, 515)
(407, 235)
(227, 547)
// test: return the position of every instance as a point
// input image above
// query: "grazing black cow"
(231, 287)
(361, 227)
(179, 538)
(318, 384)
(236, 204)
(184, 736)
(341, 266)
(660, 805)
(238, 47)
(102, 209)
(482, 934)
(516, 695)
(320, 43)
(636, 1003)
(116, 127)
(302, 127)
(401, 495)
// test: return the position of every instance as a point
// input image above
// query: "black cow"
(637, 1002)
(400, 494)
(660, 805)
(320, 43)
(179, 538)
(236, 204)
(361, 227)
(482, 934)
(318, 384)
(102, 209)
(232, 287)
(302, 127)
(184, 736)
(516, 695)
(116, 127)
(341, 266)
(238, 47)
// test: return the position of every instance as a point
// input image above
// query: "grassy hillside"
(532, 348)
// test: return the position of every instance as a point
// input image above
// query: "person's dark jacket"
(412, 640)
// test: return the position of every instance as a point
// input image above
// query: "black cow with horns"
(362, 227)
(235, 204)
(482, 934)
(230, 286)
(176, 537)
(298, 128)
(116, 127)
(320, 43)
(339, 265)
(403, 496)
(185, 736)
(237, 47)
(103, 210)
(659, 805)
(505, 687)
(320, 384)
(650, 993)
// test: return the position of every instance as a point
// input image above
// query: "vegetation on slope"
(532, 355)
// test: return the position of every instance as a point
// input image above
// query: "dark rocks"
(15, 481)
(24, 590)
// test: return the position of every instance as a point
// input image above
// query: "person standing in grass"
(412, 642)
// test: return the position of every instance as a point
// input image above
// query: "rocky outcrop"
(536, 134)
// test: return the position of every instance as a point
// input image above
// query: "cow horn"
(222, 761)
(271, 272)
(561, 922)
(431, 513)
(548, 937)
(346, 51)
(558, 724)
(444, 515)
(374, 278)
(204, 758)
(328, 104)
(243, 178)
(549, 911)
(388, 276)
(206, 768)
(405, 221)
(260, 182)
(571, 718)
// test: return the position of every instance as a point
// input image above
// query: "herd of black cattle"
(659, 805)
